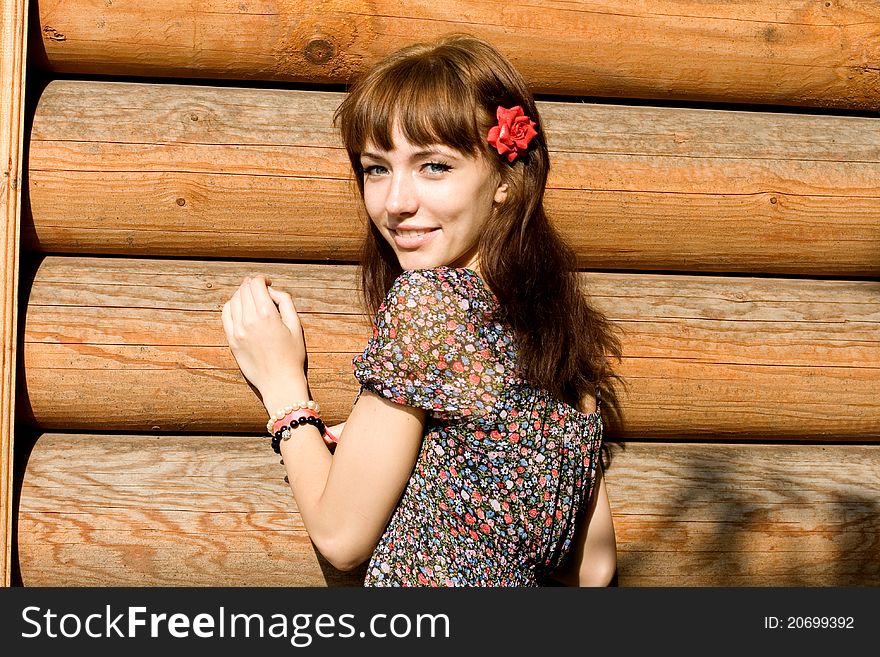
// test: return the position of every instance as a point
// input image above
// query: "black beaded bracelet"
(284, 432)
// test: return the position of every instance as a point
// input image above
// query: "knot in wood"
(319, 51)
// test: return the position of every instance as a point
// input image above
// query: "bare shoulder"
(588, 404)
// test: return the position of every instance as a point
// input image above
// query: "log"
(13, 23)
(746, 514)
(140, 510)
(813, 54)
(164, 511)
(137, 345)
(188, 171)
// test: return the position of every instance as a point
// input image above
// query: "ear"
(501, 193)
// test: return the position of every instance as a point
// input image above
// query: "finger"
(285, 305)
(248, 306)
(260, 295)
(226, 318)
(235, 308)
(265, 277)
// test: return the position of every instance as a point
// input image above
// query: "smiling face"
(429, 203)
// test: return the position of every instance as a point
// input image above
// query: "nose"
(403, 198)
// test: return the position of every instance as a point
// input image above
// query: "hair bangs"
(426, 99)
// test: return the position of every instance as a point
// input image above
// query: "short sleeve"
(427, 350)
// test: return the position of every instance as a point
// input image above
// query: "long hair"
(448, 93)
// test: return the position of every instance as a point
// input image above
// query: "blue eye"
(373, 170)
(437, 167)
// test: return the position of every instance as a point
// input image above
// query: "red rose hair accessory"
(513, 133)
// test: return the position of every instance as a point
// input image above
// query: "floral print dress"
(504, 469)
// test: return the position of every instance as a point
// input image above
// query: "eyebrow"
(414, 156)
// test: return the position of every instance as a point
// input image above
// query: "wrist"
(291, 390)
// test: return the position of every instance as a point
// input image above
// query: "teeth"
(412, 233)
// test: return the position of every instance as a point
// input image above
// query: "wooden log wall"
(822, 54)
(185, 510)
(178, 170)
(738, 249)
(13, 23)
(705, 356)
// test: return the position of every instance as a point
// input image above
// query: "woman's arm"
(593, 557)
(346, 499)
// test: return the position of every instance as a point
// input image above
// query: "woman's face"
(429, 203)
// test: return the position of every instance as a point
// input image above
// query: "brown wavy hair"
(447, 93)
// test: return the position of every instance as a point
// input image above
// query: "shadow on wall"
(702, 514)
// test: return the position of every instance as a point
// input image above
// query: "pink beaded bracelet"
(294, 417)
(287, 410)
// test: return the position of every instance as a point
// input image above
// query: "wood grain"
(212, 510)
(13, 23)
(746, 514)
(811, 54)
(164, 511)
(137, 345)
(188, 171)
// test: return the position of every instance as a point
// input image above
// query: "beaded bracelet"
(287, 410)
(303, 418)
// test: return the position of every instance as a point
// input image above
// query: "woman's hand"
(267, 341)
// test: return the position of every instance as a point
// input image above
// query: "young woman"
(471, 456)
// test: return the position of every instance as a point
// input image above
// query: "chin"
(409, 261)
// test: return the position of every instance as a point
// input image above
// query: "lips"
(413, 238)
